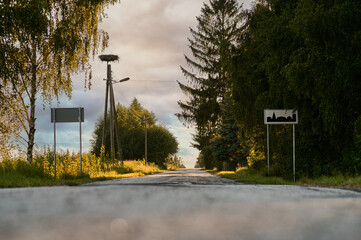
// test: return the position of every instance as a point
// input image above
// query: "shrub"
(256, 159)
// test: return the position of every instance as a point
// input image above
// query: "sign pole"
(268, 147)
(294, 153)
(146, 139)
(54, 143)
(282, 116)
(67, 115)
(81, 172)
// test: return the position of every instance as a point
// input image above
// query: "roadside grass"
(350, 182)
(247, 175)
(20, 173)
(14, 180)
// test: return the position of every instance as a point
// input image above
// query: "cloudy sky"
(150, 37)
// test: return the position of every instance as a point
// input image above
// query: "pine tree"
(219, 24)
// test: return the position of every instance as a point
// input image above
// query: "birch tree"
(42, 43)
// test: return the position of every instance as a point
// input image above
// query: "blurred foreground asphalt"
(184, 204)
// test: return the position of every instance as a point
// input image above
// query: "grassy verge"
(19, 173)
(14, 180)
(334, 181)
(246, 175)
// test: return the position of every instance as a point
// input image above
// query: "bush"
(256, 159)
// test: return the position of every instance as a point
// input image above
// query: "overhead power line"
(154, 80)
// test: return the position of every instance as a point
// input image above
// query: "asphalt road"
(186, 204)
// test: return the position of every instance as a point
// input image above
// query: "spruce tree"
(219, 24)
(225, 144)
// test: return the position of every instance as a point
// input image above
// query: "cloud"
(150, 37)
(155, 24)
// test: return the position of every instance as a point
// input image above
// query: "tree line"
(281, 54)
(133, 122)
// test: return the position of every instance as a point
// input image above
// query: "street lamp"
(122, 80)
(113, 113)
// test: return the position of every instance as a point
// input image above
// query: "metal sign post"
(282, 116)
(67, 115)
(53, 112)
(145, 139)
(79, 118)
(294, 153)
(268, 148)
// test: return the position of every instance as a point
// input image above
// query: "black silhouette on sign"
(282, 119)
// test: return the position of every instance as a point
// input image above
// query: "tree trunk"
(33, 91)
(31, 125)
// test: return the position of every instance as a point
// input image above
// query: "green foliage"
(303, 55)
(225, 144)
(41, 44)
(135, 166)
(207, 158)
(161, 143)
(131, 124)
(218, 26)
(352, 155)
(200, 161)
(248, 175)
(256, 159)
(339, 181)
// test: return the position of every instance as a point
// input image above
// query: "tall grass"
(16, 173)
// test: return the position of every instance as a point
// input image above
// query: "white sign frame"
(282, 116)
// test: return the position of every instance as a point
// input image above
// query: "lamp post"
(145, 139)
(113, 113)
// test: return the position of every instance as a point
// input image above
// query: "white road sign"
(280, 116)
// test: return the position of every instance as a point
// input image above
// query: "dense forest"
(281, 54)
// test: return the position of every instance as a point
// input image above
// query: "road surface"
(185, 204)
